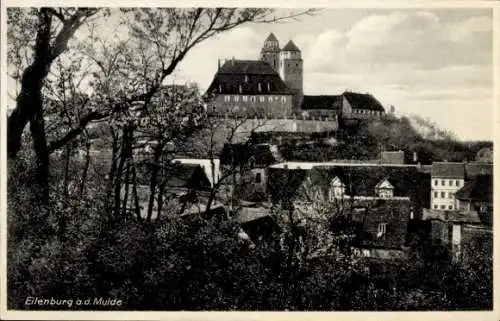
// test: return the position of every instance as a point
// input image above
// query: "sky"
(435, 63)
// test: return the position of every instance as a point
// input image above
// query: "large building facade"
(273, 86)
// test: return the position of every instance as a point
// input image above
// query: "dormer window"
(337, 189)
(384, 189)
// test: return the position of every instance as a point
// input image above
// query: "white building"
(446, 179)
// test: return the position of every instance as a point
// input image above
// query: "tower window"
(252, 99)
(262, 99)
(270, 99)
(227, 98)
(244, 98)
(236, 98)
(258, 178)
(283, 99)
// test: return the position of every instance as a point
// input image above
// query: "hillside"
(366, 138)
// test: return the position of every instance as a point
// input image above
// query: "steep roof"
(448, 170)
(478, 189)
(478, 168)
(363, 101)
(363, 181)
(271, 37)
(187, 176)
(290, 46)
(251, 77)
(333, 102)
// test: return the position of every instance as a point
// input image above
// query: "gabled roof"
(478, 168)
(240, 154)
(290, 46)
(187, 176)
(384, 184)
(363, 181)
(333, 102)
(447, 170)
(363, 101)
(271, 37)
(478, 189)
(250, 77)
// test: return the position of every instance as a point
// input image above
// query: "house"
(273, 86)
(477, 195)
(448, 227)
(447, 178)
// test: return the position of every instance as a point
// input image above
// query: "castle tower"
(291, 70)
(270, 52)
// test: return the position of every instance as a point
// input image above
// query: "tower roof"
(271, 37)
(290, 46)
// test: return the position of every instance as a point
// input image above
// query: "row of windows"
(443, 194)
(337, 192)
(253, 99)
(451, 182)
(443, 207)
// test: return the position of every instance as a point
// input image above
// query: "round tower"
(291, 69)
(270, 52)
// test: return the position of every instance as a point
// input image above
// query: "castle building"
(273, 86)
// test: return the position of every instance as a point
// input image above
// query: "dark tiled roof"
(248, 67)
(362, 181)
(187, 176)
(251, 77)
(290, 46)
(248, 214)
(478, 168)
(363, 101)
(333, 102)
(448, 170)
(271, 37)
(394, 157)
(478, 189)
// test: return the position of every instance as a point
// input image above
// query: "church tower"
(291, 70)
(270, 52)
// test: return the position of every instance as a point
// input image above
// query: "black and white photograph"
(248, 158)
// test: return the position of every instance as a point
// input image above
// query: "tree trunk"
(154, 179)
(112, 172)
(83, 182)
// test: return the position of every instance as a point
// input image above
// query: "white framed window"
(443, 183)
(270, 99)
(435, 207)
(451, 195)
(382, 227)
(262, 99)
(252, 99)
(436, 182)
(283, 99)
(436, 194)
(450, 182)
(450, 207)
(457, 182)
(244, 98)
(227, 98)
(236, 98)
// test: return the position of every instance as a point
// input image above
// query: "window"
(252, 99)
(244, 98)
(381, 229)
(283, 99)
(435, 207)
(450, 207)
(443, 194)
(451, 195)
(214, 109)
(457, 182)
(227, 98)
(450, 183)
(262, 99)
(443, 182)
(270, 99)
(258, 178)
(443, 207)
(236, 98)
(436, 182)
(436, 194)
